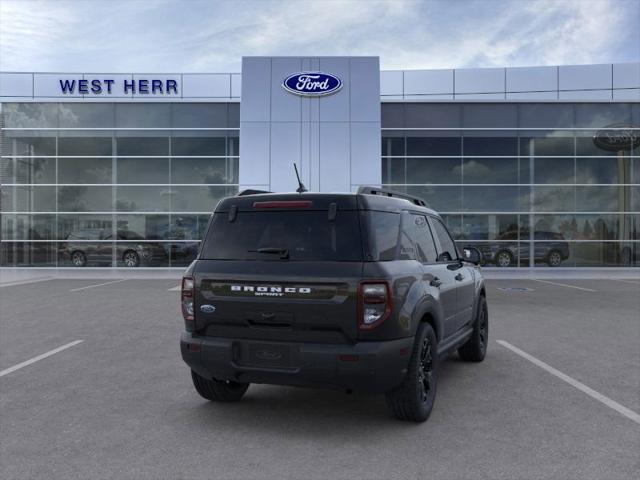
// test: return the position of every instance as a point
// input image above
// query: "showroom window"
(525, 183)
(89, 184)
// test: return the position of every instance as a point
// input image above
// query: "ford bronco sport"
(361, 292)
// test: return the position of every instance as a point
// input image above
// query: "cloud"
(161, 36)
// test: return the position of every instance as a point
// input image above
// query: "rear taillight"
(187, 302)
(374, 304)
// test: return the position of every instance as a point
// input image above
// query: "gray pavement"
(121, 404)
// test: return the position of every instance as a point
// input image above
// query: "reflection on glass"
(494, 199)
(198, 146)
(28, 254)
(84, 226)
(82, 198)
(143, 199)
(84, 170)
(490, 227)
(393, 170)
(84, 146)
(393, 146)
(27, 198)
(442, 199)
(142, 170)
(198, 199)
(148, 227)
(43, 145)
(182, 254)
(27, 170)
(603, 199)
(490, 170)
(434, 170)
(142, 146)
(203, 170)
(433, 146)
(554, 199)
(28, 227)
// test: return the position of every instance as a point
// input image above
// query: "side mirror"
(472, 255)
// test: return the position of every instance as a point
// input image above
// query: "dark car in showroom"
(549, 247)
(96, 246)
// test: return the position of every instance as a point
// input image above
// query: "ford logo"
(207, 308)
(312, 84)
(265, 354)
(615, 138)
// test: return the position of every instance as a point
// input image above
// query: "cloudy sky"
(212, 36)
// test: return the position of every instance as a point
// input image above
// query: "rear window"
(284, 235)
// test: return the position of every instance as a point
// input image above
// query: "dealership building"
(536, 166)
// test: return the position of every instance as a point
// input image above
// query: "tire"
(475, 349)
(413, 400)
(218, 390)
(78, 259)
(503, 259)
(130, 259)
(554, 259)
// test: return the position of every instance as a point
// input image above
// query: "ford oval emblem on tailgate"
(264, 354)
(312, 84)
(207, 308)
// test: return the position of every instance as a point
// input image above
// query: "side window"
(447, 246)
(418, 230)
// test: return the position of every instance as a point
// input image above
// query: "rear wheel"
(78, 259)
(413, 400)
(130, 259)
(476, 347)
(218, 390)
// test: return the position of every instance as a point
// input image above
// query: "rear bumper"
(365, 366)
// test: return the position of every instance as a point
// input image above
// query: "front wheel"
(131, 259)
(554, 258)
(475, 349)
(218, 390)
(504, 259)
(413, 400)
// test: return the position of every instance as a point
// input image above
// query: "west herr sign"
(109, 86)
(312, 84)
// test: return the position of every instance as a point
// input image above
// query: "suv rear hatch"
(283, 269)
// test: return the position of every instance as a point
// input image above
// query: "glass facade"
(113, 184)
(525, 183)
(133, 184)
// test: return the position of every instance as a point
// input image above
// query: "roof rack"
(250, 191)
(390, 193)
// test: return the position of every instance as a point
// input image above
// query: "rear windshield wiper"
(283, 252)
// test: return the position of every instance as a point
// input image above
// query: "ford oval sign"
(616, 138)
(312, 84)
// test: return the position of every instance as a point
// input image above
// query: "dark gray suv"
(361, 291)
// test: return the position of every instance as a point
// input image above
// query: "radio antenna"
(301, 188)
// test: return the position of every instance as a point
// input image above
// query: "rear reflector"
(284, 204)
(348, 358)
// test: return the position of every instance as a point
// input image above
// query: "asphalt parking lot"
(120, 403)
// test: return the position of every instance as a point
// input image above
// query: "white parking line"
(7, 371)
(625, 281)
(175, 289)
(98, 285)
(564, 285)
(25, 282)
(574, 383)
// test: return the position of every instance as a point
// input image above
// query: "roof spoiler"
(390, 193)
(250, 191)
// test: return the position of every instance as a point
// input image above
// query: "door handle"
(435, 282)
(459, 277)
